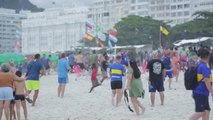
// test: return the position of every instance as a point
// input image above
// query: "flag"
(101, 43)
(113, 31)
(113, 38)
(18, 32)
(102, 36)
(18, 25)
(88, 37)
(164, 30)
(88, 24)
(109, 44)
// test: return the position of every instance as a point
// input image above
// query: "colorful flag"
(102, 36)
(113, 31)
(109, 44)
(101, 43)
(88, 37)
(18, 32)
(18, 25)
(113, 38)
(89, 24)
(164, 30)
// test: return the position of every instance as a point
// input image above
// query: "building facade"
(10, 31)
(106, 13)
(56, 29)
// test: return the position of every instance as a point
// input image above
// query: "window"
(106, 14)
(90, 16)
(133, 1)
(179, 6)
(141, 0)
(173, 14)
(180, 13)
(186, 13)
(133, 8)
(173, 7)
(186, 5)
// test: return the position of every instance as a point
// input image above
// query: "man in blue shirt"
(63, 69)
(34, 69)
(117, 70)
(201, 92)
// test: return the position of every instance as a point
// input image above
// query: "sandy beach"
(78, 104)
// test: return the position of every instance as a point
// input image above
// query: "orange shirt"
(6, 79)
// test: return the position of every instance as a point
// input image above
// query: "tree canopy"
(201, 26)
(135, 30)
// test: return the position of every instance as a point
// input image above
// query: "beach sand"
(78, 104)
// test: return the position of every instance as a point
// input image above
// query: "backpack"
(190, 78)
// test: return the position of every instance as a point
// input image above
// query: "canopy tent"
(192, 41)
(17, 58)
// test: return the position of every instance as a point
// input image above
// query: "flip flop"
(29, 100)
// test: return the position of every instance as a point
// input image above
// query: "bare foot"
(152, 105)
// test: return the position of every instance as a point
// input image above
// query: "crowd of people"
(123, 69)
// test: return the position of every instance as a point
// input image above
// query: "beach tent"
(192, 41)
(17, 58)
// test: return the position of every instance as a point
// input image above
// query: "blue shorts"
(6, 93)
(169, 74)
(201, 102)
(63, 80)
(156, 85)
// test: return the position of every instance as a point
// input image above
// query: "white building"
(106, 13)
(56, 29)
(10, 31)
(172, 11)
(140, 7)
(203, 5)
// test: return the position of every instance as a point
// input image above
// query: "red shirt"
(94, 74)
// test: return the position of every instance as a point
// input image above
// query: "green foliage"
(135, 30)
(201, 26)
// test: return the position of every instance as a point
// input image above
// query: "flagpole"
(161, 46)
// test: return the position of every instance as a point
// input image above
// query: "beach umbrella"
(17, 58)
(54, 57)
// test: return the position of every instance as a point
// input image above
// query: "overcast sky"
(58, 3)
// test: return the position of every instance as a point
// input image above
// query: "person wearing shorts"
(117, 70)
(63, 69)
(34, 69)
(6, 89)
(168, 66)
(156, 78)
(204, 88)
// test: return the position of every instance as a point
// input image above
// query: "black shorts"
(156, 85)
(116, 85)
(20, 97)
(201, 102)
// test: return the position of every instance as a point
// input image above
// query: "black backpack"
(190, 78)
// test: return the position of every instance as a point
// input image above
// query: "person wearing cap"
(156, 78)
(204, 88)
(6, 89)
(34, 69)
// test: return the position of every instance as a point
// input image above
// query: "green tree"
(201, 26)
(135, 30)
